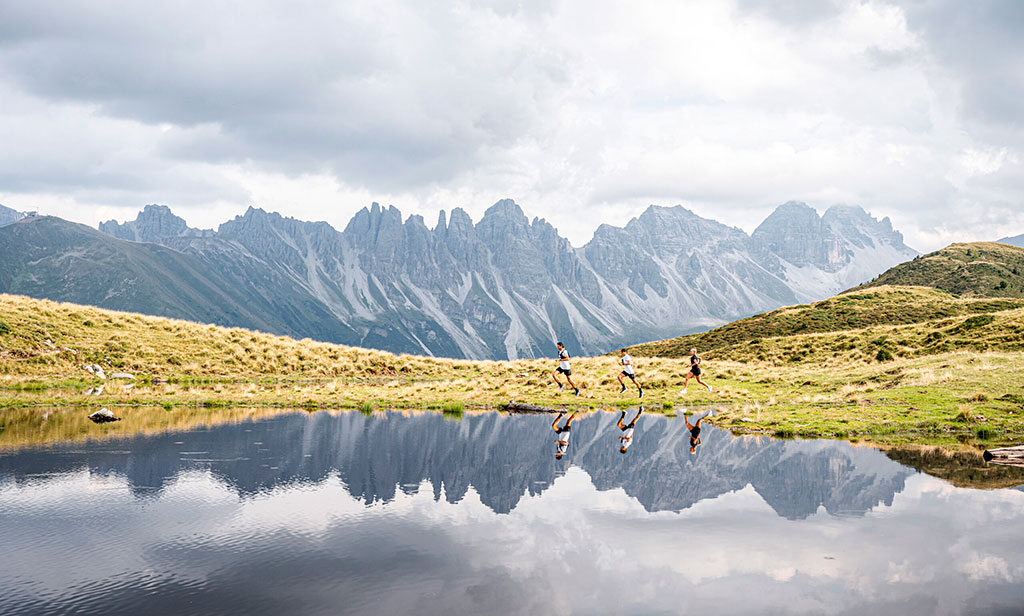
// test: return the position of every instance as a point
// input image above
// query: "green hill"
(858, 325)
(978, 269)
(963, 297)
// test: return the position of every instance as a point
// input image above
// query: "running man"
(627, 370)
(694, 371)
(627, 431)
(563, 368)
(562, 442)
(694, 429)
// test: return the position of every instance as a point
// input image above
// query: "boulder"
(95, 370)
(104, 415)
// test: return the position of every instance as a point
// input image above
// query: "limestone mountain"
(51, 258)
(8, 216)
(506, 286)
(155, 223)
(821, 256)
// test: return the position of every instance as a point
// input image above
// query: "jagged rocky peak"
(154, 224)
(861, 228)
(8, 216)
(795, 232)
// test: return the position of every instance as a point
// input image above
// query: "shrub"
(452, 406)
(884, 355)
(965, 416)
(4, 328)
(985, 432)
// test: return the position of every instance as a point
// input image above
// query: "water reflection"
(694, 428)
(562, 434)
(626, 439)
(409, 513)
(500, 456)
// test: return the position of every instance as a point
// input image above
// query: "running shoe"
(683, 392)
(561, 387)
(623, 390)
(709, 389)
(577, 391)
(641, 393)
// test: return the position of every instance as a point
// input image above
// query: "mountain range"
(503, 287)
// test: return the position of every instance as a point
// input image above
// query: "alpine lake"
(256, 511)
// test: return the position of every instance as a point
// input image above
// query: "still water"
(414, 513)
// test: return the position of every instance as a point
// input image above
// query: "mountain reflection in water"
(396, 513)
(502, 457)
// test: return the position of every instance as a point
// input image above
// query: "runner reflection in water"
(627, 430)
(562, 442)
(694, 429)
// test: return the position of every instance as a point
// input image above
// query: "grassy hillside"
(952, 396)
(876, 324)
(978, 269)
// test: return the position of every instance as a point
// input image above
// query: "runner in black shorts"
(629, 372)
(563, 368)
(562, 442)
(694, 429)
(694, 371)
(627, 430)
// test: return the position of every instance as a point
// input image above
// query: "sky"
(583, 112)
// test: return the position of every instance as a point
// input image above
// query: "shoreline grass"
(948, 397)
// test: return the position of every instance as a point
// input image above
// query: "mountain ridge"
(507, 285)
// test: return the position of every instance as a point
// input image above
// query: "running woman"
(562, 441)
(627, 431)
(563, 368)
(694, 371)
(627, 371)
(694, 429)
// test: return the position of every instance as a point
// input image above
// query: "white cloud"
(584, 112)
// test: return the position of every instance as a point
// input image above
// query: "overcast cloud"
(583, 112)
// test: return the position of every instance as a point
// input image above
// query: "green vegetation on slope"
(977, 269)
(876, 324)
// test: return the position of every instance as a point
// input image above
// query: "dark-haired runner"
(628, 371)
(627, 431)
(562, 442)
(563, 368)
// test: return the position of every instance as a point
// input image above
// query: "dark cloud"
(983, 44)
(400, 96)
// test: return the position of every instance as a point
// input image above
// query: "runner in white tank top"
(562, 440)
(628, 371)
(563, 368)
(627, 430)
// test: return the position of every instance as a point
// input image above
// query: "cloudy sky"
(583, 112)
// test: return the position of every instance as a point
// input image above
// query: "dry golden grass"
(44, 344)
